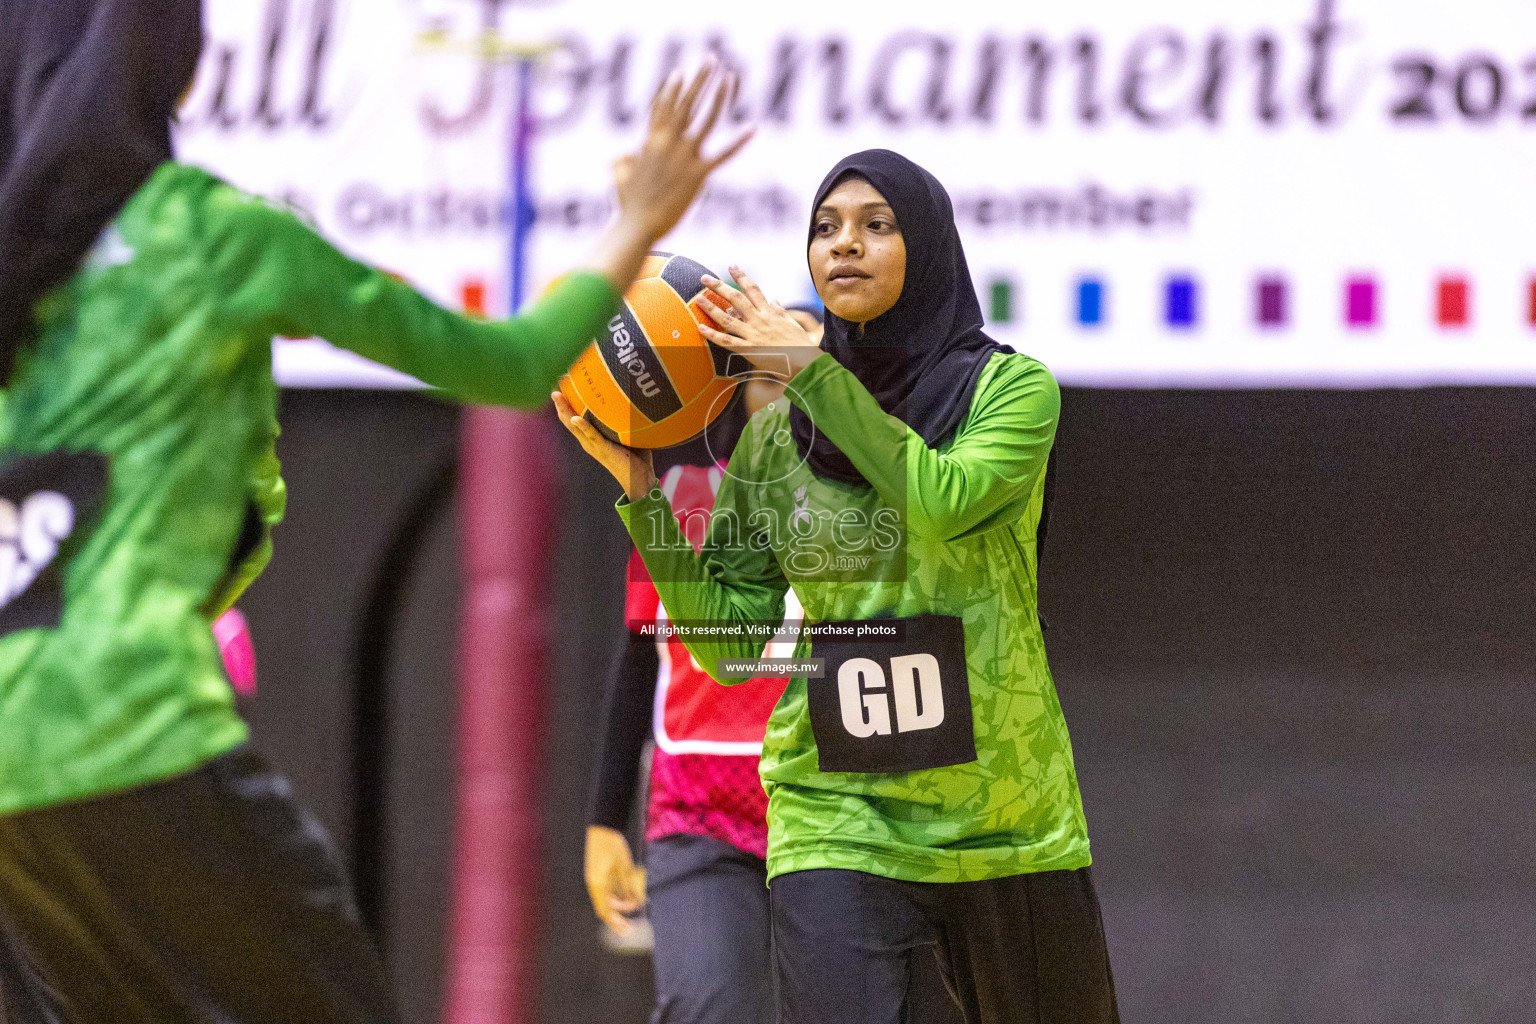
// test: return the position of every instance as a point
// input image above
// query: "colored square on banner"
(472, 296)
(1180, 308)
(1530, 302)
(1000, 294)
(1090, 301)
(1270, 302)
(1452, 306)
(1360, 301)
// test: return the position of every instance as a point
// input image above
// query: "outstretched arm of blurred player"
(281, 276)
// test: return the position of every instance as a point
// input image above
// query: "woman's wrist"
(800, 358)
(621, 251)
(640, 485)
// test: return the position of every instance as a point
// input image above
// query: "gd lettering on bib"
(43, 501)
(901, 704)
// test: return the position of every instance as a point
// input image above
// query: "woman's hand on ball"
(761, 332)
(633, 470)
(657, 184)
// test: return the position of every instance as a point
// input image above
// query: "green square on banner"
(1000, 296)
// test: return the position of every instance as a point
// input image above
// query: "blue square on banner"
(1090, 301)
(1181, 310)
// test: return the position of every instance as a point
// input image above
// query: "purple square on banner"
(1181, 309)
(1271, 296)
(1360, 301)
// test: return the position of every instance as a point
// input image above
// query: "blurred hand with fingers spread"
(657, 183)
(616, 886)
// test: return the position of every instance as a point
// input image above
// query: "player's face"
(857, 256)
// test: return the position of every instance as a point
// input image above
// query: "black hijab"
(87, 89)
(922, 358)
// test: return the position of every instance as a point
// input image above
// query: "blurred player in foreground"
(706, 834)
(152, 867)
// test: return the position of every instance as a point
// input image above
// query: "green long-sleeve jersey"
(155, 361)
(947, 530)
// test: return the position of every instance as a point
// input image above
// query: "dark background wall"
(1292, 632)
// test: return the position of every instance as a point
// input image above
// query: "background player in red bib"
(706, 832)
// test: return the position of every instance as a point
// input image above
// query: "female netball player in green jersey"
(152, 869)
(921, 789)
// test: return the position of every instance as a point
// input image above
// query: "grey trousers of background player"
(708, 905)
(210, 898)
(1028, 949)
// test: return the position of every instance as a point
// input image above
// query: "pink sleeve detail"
(233, 635)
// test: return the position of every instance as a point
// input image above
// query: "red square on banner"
(474, 296)
(1451, 305)
(1530, 302)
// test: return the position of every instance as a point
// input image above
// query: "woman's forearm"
(621, 251)
(722, 595)
(626, 722)
(279, 277)
(987, 472)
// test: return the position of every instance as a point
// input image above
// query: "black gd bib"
(44, 499)
(893, 695)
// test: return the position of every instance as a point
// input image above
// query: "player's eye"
(825, 227)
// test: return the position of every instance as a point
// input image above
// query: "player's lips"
(843, 273)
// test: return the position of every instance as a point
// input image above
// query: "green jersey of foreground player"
(921, 790)
(151, 867)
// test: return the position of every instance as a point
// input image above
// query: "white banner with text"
(1186, 194)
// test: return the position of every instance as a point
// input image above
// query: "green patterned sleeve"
(278, 276)
(731, 585)
(984, 479)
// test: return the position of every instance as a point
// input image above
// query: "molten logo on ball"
(624, 348)
(651, 380)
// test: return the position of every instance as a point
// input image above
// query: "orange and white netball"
(651, 380)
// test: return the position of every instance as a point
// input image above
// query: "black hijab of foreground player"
(922, 358)
(87, 90)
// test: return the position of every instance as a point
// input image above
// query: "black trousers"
(211, 898)
(708, 905)
(1028, 949)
